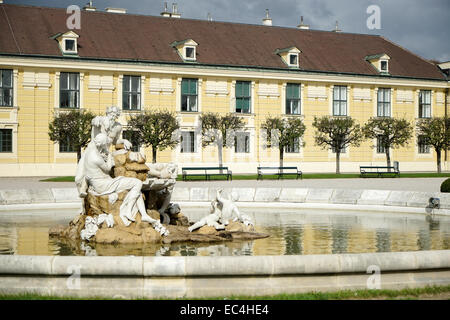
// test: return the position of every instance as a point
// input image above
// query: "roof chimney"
(267, 21)
(166, 12)
(116, 10)
(175, 13)
(302, 25)
(89, 7)
(336, 29)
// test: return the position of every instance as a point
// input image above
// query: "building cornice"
(203, 70)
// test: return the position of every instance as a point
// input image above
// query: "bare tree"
(391, 133)
(288, 131)
(337, 133)
(154, 129)
(215, 128)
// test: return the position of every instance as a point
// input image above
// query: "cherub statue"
(212, 220)
(230, 210)
(221, 211)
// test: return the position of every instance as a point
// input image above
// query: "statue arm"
(116, 139)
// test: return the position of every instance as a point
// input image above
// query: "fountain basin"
(174, 277)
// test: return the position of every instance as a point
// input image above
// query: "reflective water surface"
(291, 233)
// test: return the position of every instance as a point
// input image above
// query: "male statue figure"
(97, 165)
(111, 128)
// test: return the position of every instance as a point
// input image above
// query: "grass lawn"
(435, 292)
(305, 176)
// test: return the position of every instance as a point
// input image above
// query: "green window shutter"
(242, 89)
(292, 91)
(189, 86)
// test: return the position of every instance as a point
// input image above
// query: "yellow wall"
(36, 106)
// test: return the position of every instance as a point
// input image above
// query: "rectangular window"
(69, 90)
(384, 102)
(130, 136)
(188, 144)
(243, 96)
(380, 145)
(293, 147)
(6, 88)
(70, 45)
(66, 146)
(242, 142)
(131, 93)
(423, 145)
(293, 98)
(6, 140)
(189, 95)
(339, 101)
(293, 59)
(425, 104)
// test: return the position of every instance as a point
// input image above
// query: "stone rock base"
(143, 232)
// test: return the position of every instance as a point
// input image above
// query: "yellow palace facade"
(191, 67)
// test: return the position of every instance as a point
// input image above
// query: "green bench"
(379, 170)
(207, 172)
(279, 171)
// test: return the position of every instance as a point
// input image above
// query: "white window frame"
(196, 149)
(296, 55)
(418, 104)
(390, 102)
(194, 53)
(387, 65)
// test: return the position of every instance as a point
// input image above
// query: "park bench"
(207, 172)
(278, 171)
(379, 170)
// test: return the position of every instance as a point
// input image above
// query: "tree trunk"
(220, 152)
(338, 161)
(154, 150)
(281, 159)
(220, 155)
(388, 159)
(438, 160)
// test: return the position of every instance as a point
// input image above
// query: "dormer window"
(190, 53)
(290, 56)
(187, 49)
(68, 42)
(380, 62)
(293, 59)
(69, 45)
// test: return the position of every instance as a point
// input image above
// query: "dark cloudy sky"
(418, 25)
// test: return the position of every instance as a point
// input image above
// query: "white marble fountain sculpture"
(223, 209)
(93, 175)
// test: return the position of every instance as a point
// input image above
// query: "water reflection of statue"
(97, 164)
(111, 128)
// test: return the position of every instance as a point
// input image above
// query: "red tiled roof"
(148, 38)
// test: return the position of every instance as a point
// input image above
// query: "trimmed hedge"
(445, 186)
